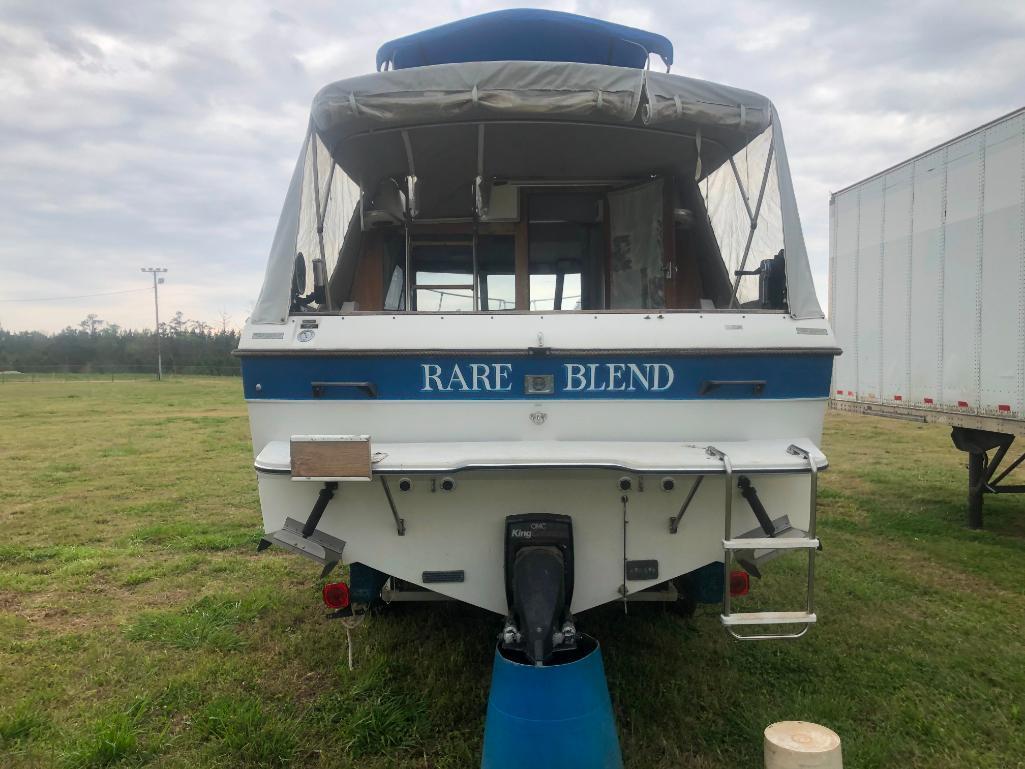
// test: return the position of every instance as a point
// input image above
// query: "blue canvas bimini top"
(526, 35)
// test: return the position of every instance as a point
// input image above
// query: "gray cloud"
(164, 133)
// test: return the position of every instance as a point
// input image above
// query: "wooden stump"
(801, 745)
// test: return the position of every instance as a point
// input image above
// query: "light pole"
(156, 307)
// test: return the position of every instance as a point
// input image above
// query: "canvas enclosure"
(446, 125)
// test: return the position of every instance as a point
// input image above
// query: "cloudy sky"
(145, 133)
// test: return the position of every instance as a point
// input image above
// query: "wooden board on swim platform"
(331, 457)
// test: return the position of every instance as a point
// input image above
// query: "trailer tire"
(685, 605)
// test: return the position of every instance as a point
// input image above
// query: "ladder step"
(769, 618)
(771, 543)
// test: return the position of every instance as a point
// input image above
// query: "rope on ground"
(350, 624)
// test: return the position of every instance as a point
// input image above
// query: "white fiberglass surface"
(633, 456)
(434, 422)
(462, 529)
(571, 331)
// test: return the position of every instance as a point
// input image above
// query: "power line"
(80, 296)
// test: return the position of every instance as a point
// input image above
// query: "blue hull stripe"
(503, 377)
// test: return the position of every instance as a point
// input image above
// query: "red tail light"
(336, 595)
(740, 583)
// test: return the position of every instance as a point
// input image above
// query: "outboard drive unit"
(539, 585)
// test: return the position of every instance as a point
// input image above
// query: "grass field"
(138, 627)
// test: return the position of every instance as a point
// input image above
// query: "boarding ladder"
(733, 621)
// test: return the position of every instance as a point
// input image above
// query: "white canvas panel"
(726, 118)
(272, 304)
(446, 92)
(307, 242)
(801, 295)
(671, 98)
(635, 228)
(729, 217)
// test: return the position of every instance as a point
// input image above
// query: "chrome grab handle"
(712, 451)
(797, 451)
(709, 385)
(320, 388)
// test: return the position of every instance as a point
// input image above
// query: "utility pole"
(156, 307)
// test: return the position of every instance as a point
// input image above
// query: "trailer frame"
(974, 434)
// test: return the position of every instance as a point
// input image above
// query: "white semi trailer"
(927, 296)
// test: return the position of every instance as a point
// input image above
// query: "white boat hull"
(563, 453)
(462, 529)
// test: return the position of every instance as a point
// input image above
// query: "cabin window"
(560, 263)
(744, 208)
(442, 274)
(496, 272)
(645, 246)
(329, 200)
(538, 217)
(395, 294)
(458, 273)
(565, 247)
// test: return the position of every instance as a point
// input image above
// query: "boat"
(538, 333)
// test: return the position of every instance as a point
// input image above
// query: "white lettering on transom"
(578, 377)
(618, 377)
(474, 377)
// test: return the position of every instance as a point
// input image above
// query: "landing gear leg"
(976, 481)
(982, 471)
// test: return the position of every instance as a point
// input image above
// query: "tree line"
(95, 345)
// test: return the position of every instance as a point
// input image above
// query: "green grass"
(19, 725)
(109, 741)
(241, 729)
(138, 627)
(211, 622)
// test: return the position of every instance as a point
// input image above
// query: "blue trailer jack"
(549, 704)
(555, 716)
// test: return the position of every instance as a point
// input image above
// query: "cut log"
(801, 745)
